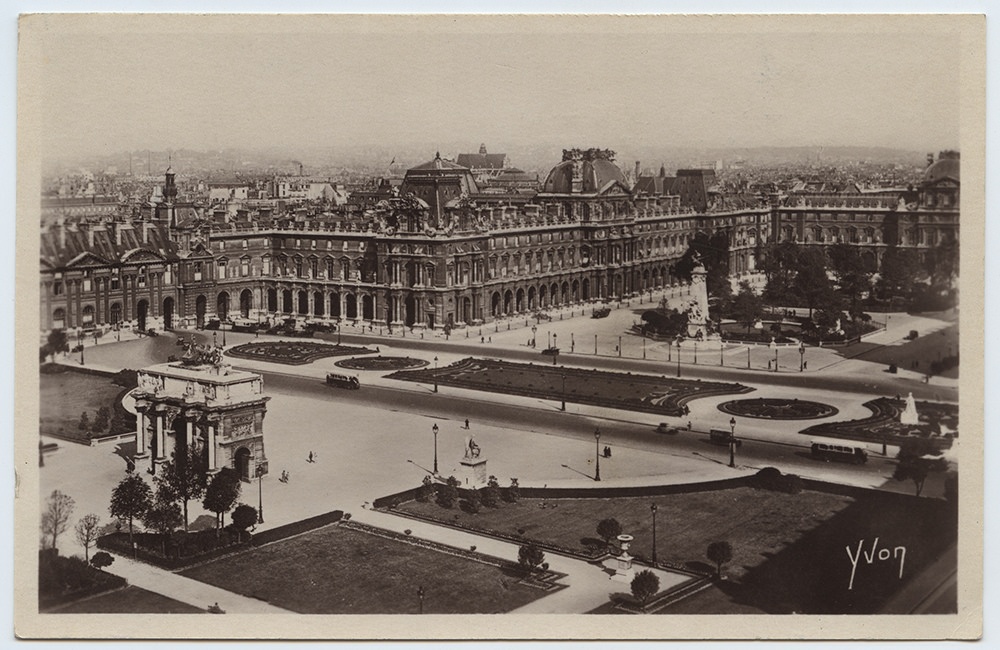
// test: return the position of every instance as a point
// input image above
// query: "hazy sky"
(107, 92)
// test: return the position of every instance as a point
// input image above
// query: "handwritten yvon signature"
(884, 554)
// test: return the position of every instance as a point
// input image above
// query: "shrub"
(102, 559)
(407, 532)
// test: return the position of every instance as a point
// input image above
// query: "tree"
(244, 517)
(57, 342)
(184, 478)
(426, 489)
(514, 491)
(102, 559)
(748, 308)
(530, 556)
(221, 495)
(163, 516)
(130, 500)
(86, 533)
(900, 269)
(84, 422)
(811, 283)
(447, 494)
(779, 266)
(491, 493)
(713, 251)
(474, 501)
(853, 278)
(720, 553)
(917, 458)
(608, 529)
(645, 584)
(101, 420)
(55, 519)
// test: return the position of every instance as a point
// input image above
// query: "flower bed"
(381, 363)
(769, 408)
(294, 353)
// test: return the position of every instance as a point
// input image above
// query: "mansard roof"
(85, 245)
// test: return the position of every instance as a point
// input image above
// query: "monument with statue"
(697, 305)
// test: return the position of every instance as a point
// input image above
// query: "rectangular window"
(168, 275)
(141, 281)
(57, 288)
(266, 266)
(221, 275)
(244, 267)
(116, 283)
(245, 244)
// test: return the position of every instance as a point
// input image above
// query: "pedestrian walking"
(466, 423)
(482, 339)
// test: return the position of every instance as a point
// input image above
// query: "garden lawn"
(130, 600)
(337, 570)
(755, 522)
(64, 396)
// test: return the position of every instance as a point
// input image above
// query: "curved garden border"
(883, 425)
(777, 408)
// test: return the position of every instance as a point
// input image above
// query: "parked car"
(721, 437)
(663, 427)
(551, 351)
(912, 335)
(601, 312)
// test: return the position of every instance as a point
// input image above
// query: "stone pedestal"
(473, 472)
(623, 563)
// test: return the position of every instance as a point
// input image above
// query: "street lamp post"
(435, 430)
(678, 357)
(619, 346)
(435, 374)
(534, 328)
(802, 356)
(223, 327)
(696, 352)
(420, 597)
(776, 359)
(260, 493)
(732, 442)
(215, 339)
(652, 508)
(79, 337)
(563, 393)
(597, 439)
(748, 357)
(722, 352)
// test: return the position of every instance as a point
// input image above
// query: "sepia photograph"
(636, 319)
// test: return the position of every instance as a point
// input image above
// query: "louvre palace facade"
(438, 251)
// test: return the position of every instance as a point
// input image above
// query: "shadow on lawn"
(813, 574)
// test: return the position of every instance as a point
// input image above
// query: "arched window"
(87, 316)
(59, 319)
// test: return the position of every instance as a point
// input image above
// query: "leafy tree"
(57, 342)
(917, 458)
(720, 553)
(101, 420)
(942, 263)
(163, 516)
(900, 269)
(529, 556)
(491, 493)
(44, 352)
(713, 251)
(426, 489)
(184, 479)
(811, 281)
(609, 529)
(514, 491)
(644, 585)
(55, 519)
(474, 501)
(221, 495)
(447, 494)
(84, 422)
(667, 322)
(101, 560)
(86, 533)
(779, 265)
(853, 278)
(748, 308)
(244, 517)
(130, 500)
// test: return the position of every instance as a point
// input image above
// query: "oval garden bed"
(772, 408)
(381, 363)
(292, 352)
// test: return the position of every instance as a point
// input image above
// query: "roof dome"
(595, 175)
(943, 168)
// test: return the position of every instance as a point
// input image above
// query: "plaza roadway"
(378, 440)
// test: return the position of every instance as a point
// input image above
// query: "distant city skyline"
(346, 83)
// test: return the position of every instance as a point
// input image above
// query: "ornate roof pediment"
(87, 259)
(141, 255)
